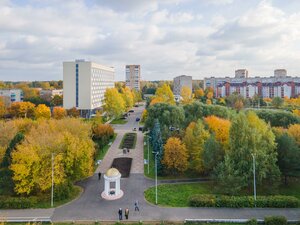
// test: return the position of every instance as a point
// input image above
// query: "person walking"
(126, 213)
(120, 213)
(99, 176)
(136, 206)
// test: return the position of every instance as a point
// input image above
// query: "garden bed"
(123, 165)
(128, 141)
(119, 121)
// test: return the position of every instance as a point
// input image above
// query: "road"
(90, 206)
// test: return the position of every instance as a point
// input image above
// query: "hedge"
(276, 201)
(275, 220)
(7, 202)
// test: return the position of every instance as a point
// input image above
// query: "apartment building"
(85, 83)
(49, 94)
(181, 81)
(133, 76)
(11, 95)
(279, 85)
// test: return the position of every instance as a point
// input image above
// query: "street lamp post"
(52, 182)
(156, 154)
(148, 152)
(254, 180)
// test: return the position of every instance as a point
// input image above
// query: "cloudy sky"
(167, 38)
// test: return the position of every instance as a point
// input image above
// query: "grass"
(177, 195)
(182, 192)
(118, 223)
(102, 151)
(125, 138)
(118, 121)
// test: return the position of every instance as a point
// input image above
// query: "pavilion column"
(107, 187)
(117, 186)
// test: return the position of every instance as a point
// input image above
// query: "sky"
(200, 38)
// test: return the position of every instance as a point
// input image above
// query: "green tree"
(277, 102)
(248, 135)
(288, 155)
(213, 154)
(57, 100)
(157, 144)
(194, 139)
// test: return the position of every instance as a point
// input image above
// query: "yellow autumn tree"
(114, 103)
(8, 130)
(163, 94)
(220, 127)
(194, 140)
(42, 112)
(210, 95)
(199, 93)
(22, 109)
(128, 97)
(296, 112)
(144, 115)
(208, 101)
(175, 155)
(186, 94)
(294, 131)
(59, 113)
(3, 108)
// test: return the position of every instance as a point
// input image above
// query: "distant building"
(133, 76)
(241, 73)
(85, 84)
(266, 87)
(280, 73)
(179, 82)
(49, 94)
(11, 95)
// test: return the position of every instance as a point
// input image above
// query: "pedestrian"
(126, 213)
(136, 206)
(120, 213)
(99, 176)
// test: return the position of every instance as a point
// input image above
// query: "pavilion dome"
(112, 172)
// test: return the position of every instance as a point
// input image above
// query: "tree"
(288, 155)
(220, 127)
(103, 133)
(42, 111)
(22, 109)
(157, 145)
(73, 112)
(57, 100)
(186, 94)
(199, 93)
(3, 109)
(165, 94)
(59, 113)
(248, 135)
(175, 155)
(277, 102)
(137, 96)
(210, 95)
(128, 97)
(194, 140)
(144, 115)
(238, 105)
(114, 103)
(213, 154)
(294, 131)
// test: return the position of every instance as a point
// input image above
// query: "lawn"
(102, 151)
(118, 121)
(181, 192)
(177, 195)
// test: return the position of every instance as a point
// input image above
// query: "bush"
(275, 220)
(210, 200)
(252, 222)
(17, 202)
(63, 191)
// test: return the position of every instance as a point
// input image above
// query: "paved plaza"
(91, 207)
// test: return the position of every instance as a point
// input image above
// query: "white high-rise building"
(180, 82)
(85, 83)
(133, 76)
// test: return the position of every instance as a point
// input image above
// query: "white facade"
(11, 95)
(241, 73)
(181, 81)
(85, 84)
(133, 76)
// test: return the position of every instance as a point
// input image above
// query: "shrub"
(277, 201)
(275, 220)
(17, 202)
(252, 221)
(63, 191)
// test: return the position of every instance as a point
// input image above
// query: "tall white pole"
(254, 180)
(148, 154)
(52, 184)
(156, 178)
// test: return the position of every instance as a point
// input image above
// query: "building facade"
(85, 84)
(266, 87)
(133, 76)
(181, 81)
(49, 94)
(11, 95)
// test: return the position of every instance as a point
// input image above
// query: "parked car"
(137, 119)
(141, 128)
(136, 105)
(131, 111)
(134, 129)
